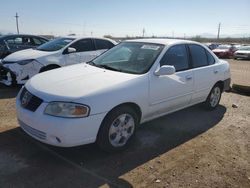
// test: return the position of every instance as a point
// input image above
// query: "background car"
(18, 67)
(106, 99)
(224, 51)
(211, 46)
(242, 53)
(13, 43)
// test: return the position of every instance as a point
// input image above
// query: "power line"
(218, 35)
(143, 32)
(17, 28)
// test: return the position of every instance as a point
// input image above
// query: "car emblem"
(26, 98)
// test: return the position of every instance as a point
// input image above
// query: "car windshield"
(129, 57)
(224, 47)
(55, 44)
(247, 48)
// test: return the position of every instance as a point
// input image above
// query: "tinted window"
(18, 40)
(176, 56)
(210, 58)
(103, 44)
(83, 45)
(26, 41)
(37, 41)
(2, 46)
(198, 55)
(10, 41)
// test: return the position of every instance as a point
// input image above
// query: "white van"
(20, 66)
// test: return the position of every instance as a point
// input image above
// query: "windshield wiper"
(109, 68)
(92, 63)
(103, 66)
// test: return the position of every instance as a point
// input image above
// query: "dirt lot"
(189, 148)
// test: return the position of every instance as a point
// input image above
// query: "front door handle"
(216, 71)
(189, 77)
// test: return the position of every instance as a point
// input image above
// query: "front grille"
(29, 101)
(34, 132)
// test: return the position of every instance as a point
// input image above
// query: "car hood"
(76, 81)
(220, 50)
(26, 54)
(243, 51)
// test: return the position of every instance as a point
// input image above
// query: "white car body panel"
(44, 58)
(102, 90)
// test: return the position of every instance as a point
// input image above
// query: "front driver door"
(171, 92)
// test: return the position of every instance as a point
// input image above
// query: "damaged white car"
(18, 67)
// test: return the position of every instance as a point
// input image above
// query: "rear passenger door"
(205, 72)
(102, 46)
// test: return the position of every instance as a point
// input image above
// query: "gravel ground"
(189, 148)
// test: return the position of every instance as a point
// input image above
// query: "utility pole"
(218, 35)
(17, 28)
(143, 32)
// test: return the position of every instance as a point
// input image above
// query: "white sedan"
(20, 66)
(105, 100)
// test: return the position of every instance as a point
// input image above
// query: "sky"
(120, 18)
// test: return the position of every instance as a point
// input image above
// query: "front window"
(130, 57)
(55, 45)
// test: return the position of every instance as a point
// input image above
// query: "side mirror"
(165, 70)
(70, 50)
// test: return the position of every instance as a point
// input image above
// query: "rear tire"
(118, 129)
(213, 98)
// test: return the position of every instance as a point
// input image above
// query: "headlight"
(67, 109)
(24, 62)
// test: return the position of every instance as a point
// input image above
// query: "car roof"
(165, 42)
(21, 35)
(77, 37)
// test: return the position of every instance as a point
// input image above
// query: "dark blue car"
(13, 43)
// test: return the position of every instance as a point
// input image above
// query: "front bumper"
(227, 83)
(62, 132)
(13, 73)
(7, 77)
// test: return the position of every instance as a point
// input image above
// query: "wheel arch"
(221, 84)
(132, 105)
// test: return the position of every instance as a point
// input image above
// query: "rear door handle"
(189, 77)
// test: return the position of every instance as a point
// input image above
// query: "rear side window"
(198, 55)
(176, 56)
(103, 44)
(210, 58)
(83, 45)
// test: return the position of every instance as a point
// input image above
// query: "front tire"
(117, 129)
(214, 97)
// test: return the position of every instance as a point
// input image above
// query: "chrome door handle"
(189, 77)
